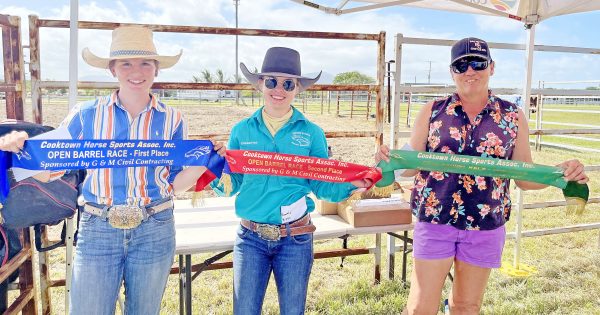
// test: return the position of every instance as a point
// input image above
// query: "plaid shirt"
(105, 118)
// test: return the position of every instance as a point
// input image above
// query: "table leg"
(391, 249)
(181, 285)
(377, 258)
(404, 255)
(188, 283)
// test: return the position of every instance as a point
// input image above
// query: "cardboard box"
(325, 207)
(373, 212)
(407, 191)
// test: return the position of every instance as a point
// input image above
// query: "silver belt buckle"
(125, 216)
(268, 232)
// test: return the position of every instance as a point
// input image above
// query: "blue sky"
(332, 56)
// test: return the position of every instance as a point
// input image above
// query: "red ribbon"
(299, 166)
(204, 180)
(279, 164)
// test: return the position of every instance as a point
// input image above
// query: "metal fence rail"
(25, 302)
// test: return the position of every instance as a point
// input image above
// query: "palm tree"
(207, 76)
(221, 77)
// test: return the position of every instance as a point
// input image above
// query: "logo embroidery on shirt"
(301, 139)
(248, 142)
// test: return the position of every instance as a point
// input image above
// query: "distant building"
(572, 100)
(203, 95)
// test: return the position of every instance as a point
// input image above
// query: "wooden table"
(212, 228)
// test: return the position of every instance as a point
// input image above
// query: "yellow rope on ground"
(521, 271)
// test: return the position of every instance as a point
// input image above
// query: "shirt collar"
(296, 116)
(490, 105)
(153, 104)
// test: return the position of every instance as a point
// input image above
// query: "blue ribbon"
(86, 154)
(4, 183)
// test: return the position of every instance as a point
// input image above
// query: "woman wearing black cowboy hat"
(275, 234)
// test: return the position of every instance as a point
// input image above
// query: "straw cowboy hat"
(130, 42)
(280, 62)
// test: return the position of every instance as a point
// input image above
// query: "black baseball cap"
(470, 46)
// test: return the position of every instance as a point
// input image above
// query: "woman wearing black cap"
(461, 217)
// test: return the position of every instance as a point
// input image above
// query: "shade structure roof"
(527, 11)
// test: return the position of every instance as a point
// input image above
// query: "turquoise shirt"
(260, 197)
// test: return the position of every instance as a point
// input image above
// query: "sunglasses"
(462, 65)
(287, 84)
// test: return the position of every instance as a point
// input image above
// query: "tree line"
(219, 76)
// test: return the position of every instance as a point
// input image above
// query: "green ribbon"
(576, 194)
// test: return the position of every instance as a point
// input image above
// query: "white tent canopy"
(528, 11)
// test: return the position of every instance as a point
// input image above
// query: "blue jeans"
(105, 257)
(290, 259)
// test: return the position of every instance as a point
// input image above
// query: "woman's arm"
(522, 151)
(187, 177)
(14, 142)
(236, 178)
(417, 141)
(190, 175)
(573, 169)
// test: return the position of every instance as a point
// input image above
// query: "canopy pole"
(73, 26)
(73, 53)
(526, 93)
(395, 119)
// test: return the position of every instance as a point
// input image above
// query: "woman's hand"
(382, 154)
(361, 185)
(573, 171)
(219, 147)
(14, 141)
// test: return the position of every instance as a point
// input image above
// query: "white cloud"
(185, 12)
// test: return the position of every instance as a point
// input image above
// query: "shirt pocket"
(252, 146)
(298, 150)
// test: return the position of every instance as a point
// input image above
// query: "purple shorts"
(479, 248)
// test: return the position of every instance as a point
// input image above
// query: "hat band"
(119, 53)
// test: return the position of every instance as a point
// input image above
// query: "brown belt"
(273, 232)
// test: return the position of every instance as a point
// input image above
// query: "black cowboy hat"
(280, 62)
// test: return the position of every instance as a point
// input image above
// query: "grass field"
(568, 281)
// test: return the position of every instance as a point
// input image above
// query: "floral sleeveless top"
(466, 201)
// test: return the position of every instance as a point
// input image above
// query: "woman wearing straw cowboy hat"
(461, 217)
(108, 255)
(274, 203)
